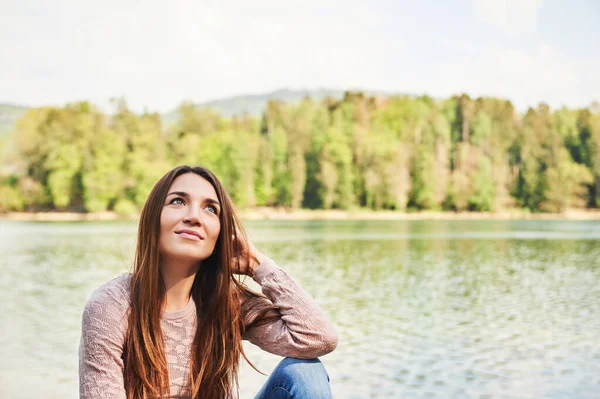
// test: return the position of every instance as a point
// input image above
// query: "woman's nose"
(192, 217)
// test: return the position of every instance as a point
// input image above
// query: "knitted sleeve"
(298, 327)
(104, 325)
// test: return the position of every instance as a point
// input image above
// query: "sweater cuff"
(263, 270)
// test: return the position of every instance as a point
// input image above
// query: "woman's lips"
(189, 235)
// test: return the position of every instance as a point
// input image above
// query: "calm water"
(434, 309)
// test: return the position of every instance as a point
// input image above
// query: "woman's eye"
(177, 201)
(211, 209)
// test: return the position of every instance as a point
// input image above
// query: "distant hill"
(9, 114)
(254, 104)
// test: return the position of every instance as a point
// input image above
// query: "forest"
(401, 153)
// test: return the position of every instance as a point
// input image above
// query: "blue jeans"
(297, 379)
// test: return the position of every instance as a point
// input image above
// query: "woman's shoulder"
(111, 300)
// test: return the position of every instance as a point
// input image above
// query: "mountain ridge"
(254, 104)
(251, 104)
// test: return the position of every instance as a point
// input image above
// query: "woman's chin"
(185, 257)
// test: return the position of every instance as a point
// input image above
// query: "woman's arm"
(104, 324)
(299, 328)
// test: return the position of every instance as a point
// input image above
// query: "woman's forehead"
(194, 185)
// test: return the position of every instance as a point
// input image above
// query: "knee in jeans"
(308, 375)
(302, 367)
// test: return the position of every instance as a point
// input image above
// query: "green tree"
(335, 170)
(146, 158)
(565, 182)
(104, 180)
(483, 196)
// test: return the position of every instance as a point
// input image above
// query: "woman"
(174, 327)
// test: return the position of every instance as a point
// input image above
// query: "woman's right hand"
(248, 258)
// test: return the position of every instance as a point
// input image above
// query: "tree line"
(397, 153)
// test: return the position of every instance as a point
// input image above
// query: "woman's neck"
(178, 285)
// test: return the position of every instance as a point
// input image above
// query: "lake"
(424, 309)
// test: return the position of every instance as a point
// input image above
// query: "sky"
(157, 54)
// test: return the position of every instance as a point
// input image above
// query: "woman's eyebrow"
(179, 193)
(213, 201)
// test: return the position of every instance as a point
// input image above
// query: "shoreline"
(306, 214)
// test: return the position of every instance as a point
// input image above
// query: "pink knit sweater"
(301, 331)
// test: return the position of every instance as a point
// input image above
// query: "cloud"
(510, 16)
(158, 54)
(526, 77)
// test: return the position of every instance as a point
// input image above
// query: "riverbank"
(306, 214)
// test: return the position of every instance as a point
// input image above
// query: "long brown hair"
(217, 344)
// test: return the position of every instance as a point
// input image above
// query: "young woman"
(174, 327)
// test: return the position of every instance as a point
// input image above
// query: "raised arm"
(103, 329)
(299, 327)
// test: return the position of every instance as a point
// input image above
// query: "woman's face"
(189, 221)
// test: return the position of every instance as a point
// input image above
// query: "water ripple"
(476, 309)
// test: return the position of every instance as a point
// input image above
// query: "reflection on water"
(474, 309)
